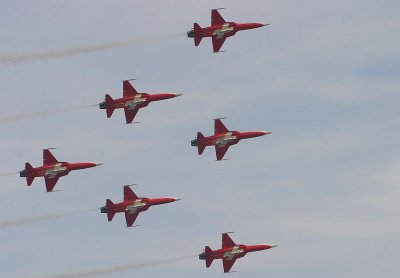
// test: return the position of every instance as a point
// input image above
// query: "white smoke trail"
(25, 116)
(20, 58)
(114, 269)
(8, 174)
(19, 222)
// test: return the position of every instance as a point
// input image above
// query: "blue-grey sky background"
(323, 77)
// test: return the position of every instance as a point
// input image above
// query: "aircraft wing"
(130, 218)
(216, 18)
(228, 264)
(219, 127)
(50, 183)
(217, 43)
(128, 90)
(130, 114)
(221, 151)
(227, 242)
(48, 158)
(129, 195)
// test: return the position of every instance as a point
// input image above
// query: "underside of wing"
(219, 127)
(227, 242)
(130, 218)
(48, 158)
(128, 90)
(130, 114)
(129, 195)
(221, 151)
(216, 18)
(50, 183)
(228, 264)
(217, 43)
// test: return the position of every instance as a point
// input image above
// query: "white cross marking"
(131, 104)
(222, 141)
(231, 254)
(136, 205)
(52, 173)
(219, 33)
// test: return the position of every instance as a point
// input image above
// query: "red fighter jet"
(131, 101)
(52, 170)
(132, 205)
(219, 30)
(223, 138)
(229, 252)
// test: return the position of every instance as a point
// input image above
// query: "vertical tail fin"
(200, 141)
(209, 260)
(29, 176)
(109, 105)
(197, 34)
(110, 211)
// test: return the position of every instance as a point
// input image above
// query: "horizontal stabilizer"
(209, 262)
(208, 251)
(29, 176)
(109, 105)
(110, 211)
(29, 180)
(197, 34)
(200, 147)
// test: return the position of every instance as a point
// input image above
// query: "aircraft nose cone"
(177, 199)
(177, 95)
(273, 245)
(98, 164)
(267, 132)
(265, 24)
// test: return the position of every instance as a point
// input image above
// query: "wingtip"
(132, 123)
(53, 191)
(127, 80)
(133, 226)
(129, 185)
(220, 118)
(52, 148)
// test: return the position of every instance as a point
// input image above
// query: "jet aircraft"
(219, 30)
(132, 205)
(230, 252)
(52, 170)
(131, 101)
(223, 139)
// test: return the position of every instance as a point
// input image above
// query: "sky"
(324, 186)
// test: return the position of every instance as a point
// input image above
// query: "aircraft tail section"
(110, 210)
(200, 141)
(197, 34)
(109, 105)
(29, 176)
(209, 260)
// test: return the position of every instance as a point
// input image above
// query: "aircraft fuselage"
(57, 169)
(138, 205)
(227, 29)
